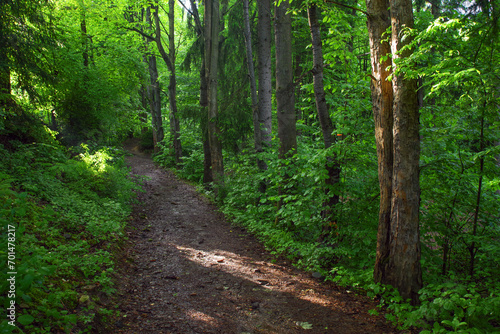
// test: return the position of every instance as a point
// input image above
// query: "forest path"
(187, 270)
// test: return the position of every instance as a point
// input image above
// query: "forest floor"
(185, 269)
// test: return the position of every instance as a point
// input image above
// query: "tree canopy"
(349, 135)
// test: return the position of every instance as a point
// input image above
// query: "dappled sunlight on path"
(189, 271)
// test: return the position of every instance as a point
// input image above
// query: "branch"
(183, 5)
(347, 6)
(159, 43)
(196, 17)
(143, 34)
(164, 30)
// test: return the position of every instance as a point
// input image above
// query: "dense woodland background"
(314, 124)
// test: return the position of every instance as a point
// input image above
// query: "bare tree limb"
(347, 6)
(143, 34)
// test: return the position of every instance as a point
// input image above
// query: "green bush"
(69, 214)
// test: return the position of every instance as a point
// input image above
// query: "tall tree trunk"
(402, 268)
(207, 159)
(325, 121)
(83, 29)
(398, 149)
(285, 97)
(143, 116)
(265, 75)
(251, 76)
(155, 101)
(155, 98)
(172, 87)
(382, 97)
(169, 59)
(211, 64)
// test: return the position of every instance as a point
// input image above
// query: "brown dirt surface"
(188, 270)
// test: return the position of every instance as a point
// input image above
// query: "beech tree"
(264, 74)
(251, 76)
(285, 92)
(155, 91)
(212, 24)
(172, 86)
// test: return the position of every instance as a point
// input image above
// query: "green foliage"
(191, 167)
(445, 308)
(26, 27)
(68, 215)
(147, 143)
(458, 60)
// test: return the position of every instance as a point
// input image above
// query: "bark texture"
(175, 130)
(155, 98)
(285, 93)
(382, 98)
(212, 30)
(169, 59)
(403, 269)
(257, 135)
(395, 111)
(207, 159)
(265, 75)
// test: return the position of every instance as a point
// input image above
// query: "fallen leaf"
(304, 325)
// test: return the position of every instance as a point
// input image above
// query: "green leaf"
(305, 325)
(25, 319)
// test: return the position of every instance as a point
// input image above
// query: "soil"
(188, 270)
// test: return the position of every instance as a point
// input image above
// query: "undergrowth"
(68, 215)
(451, 303)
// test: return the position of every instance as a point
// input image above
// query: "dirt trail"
(189, 271)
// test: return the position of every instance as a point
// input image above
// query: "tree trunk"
(207, 158)
(325, 121)
(398, 148)
(143, 116)
(155, 98)
(83, 29)
(382, 97)
(155, 101)
(251, 76)
(172, 87)
(285, 94)
(169, 59)
(265, 75)
(403, 269)
(211, 65)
